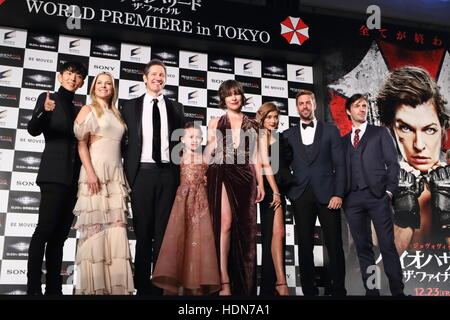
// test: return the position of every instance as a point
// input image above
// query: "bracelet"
(276, 194)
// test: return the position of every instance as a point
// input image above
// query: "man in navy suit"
(372, 180)
(313, 151)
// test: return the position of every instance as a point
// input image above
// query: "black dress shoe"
(35, 293)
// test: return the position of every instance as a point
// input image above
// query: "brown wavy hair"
(411, 86)
(305, 93)
(263, 111)
(227, 88)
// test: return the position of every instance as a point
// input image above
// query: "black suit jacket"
(379, 159)
(325, 170)
(60, 162)
(132, 143)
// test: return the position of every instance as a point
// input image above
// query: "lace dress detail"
(103, 258)
(187, 262)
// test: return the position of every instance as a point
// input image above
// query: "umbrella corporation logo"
(294, 30)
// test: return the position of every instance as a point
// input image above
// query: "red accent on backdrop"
(288, 36)
(301, 37)
(288, 23)
(396, 57)
(301, 25)
(337, 108)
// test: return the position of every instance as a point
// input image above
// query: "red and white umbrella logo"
(294, 30)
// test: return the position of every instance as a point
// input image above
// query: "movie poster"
(420, 131)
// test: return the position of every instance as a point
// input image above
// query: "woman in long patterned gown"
(187, 261)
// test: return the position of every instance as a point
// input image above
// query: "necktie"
(156, 132)
(356, 138)
(306, 125)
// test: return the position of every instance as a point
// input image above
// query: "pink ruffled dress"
(187, 262)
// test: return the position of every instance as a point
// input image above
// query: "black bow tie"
(306, 125)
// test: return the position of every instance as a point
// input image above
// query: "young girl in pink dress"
(187, 262)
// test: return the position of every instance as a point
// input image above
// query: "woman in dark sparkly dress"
(235, 185)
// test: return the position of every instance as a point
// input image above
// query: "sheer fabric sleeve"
(89, 125)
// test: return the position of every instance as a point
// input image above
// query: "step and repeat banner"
(28, 65)
(272, 53)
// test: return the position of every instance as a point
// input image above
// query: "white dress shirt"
(308, 133)
(147, 129)
(363, 128)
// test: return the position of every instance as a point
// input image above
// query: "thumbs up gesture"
(49, 104)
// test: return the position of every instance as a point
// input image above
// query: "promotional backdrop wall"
(28, 65)
(272, 53)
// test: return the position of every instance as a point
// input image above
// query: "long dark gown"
(233, 169)
(267, 215)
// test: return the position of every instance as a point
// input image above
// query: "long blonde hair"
(111, 103)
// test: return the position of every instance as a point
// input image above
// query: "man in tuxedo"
(313, 151)
(57, 178)
(372, 180)
(150, 169)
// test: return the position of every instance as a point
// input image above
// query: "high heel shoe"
(277, 293)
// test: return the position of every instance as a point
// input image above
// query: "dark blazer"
(379, 159)
(325, 171)
(132, 143)
(60, 162)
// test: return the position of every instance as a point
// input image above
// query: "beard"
(309, 116)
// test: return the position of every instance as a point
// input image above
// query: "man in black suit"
(57, 178)
(314, 152)
(150, 169)
(372, 180)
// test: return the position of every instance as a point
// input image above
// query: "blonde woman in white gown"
(103, 259)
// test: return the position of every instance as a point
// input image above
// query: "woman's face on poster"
(419, 134)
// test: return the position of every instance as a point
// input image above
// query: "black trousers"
(306, 209)
(359, 206)
(268, 275)
(152, 198)
(54, 222)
